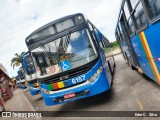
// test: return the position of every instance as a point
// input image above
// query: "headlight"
(94, 77)
(45, 91)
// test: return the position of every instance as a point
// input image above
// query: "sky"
(18, 18)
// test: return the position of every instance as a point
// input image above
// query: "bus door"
(131, 56)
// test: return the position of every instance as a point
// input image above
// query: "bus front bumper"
(34, 91)
(83, 90)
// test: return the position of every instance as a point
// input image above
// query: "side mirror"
(98, 35)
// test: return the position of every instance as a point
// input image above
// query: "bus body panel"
(105, 65)
(146, 45)
(126, 53)
(23, 86)
(153, 39)
(21, 76)
(69, 81)
(34, 91)
(141, 55)
(100, 85)
(143, 25)
(57, 82)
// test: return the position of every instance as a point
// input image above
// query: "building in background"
(4, 84)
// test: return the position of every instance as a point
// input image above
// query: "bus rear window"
(64, 25)
(153, 7)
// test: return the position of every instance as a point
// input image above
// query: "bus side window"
(133, 3)
(153, 8)
(120, 37)
(131, 26)
(126, 11)
(140, 16)
(121, 32)
(117, 37)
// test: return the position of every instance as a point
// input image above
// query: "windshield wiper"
(66, 41)
(44, 49)
(68, 36)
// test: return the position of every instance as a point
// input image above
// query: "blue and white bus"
(21, 78)
(137, 32)
(29, 72)
(69, 59)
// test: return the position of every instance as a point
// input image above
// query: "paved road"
(131, 91)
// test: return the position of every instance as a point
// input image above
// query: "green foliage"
(16, 61)
(12, 77)
(114, 44)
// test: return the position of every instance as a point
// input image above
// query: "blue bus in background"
(137, 32)
(21, 79)
(70, 60)
(29, 72)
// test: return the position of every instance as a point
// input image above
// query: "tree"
(114, 44)
(16, 61)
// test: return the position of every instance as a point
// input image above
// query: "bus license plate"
(70, 95)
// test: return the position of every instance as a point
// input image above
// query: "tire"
(114, 62)
(129, 63)
(110, 73)
(110, 70)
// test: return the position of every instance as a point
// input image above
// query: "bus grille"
(32, 81)
(69, 76)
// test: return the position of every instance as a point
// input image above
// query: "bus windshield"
(21, 74)
(65, 53)
(29, 68)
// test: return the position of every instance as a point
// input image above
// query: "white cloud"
(21, 17)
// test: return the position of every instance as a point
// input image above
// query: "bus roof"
(53, 22)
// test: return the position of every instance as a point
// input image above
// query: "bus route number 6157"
(78, 79)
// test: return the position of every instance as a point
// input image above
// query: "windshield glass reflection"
(68, 52)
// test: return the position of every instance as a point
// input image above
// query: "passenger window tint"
(121, 33)
(118, 34)
(117, 37)
(140, 16)
(153, 7)
(126, 11)
(133, 3)
(120, 38)
(131, 26)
